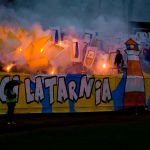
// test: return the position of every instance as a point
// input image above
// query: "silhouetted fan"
(8, 90)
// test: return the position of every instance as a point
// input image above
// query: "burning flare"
(20, 49)
(104, 66)
(8, 67)
(42, 50)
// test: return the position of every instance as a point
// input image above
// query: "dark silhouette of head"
(118, 51)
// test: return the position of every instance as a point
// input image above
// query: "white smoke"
(97, 15)
(76, 16)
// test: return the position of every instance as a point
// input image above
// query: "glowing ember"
(60, 43)
(51, 71)
(104, 66)
(42, 50)
(20, 49)
(7, 68)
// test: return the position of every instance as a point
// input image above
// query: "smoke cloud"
(28, 20)
(82, 14)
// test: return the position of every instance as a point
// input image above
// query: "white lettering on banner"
(62, 91)
(50, 83)
(98, 92)
(39, 94)
(29, 91)
(4, 81)
(16, 88)
(106, 92)
(86, 87)
(36, 90)
(72, 93)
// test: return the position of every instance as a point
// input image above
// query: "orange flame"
(20, 49)
(60, 43)
(42, 50)
(51, 71)
(104, 66)
(8, 67)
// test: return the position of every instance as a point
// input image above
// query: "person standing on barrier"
(119, 62)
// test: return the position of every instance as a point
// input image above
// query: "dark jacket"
(118, 59)
(10, 96)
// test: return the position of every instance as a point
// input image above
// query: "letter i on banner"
(90, 56)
